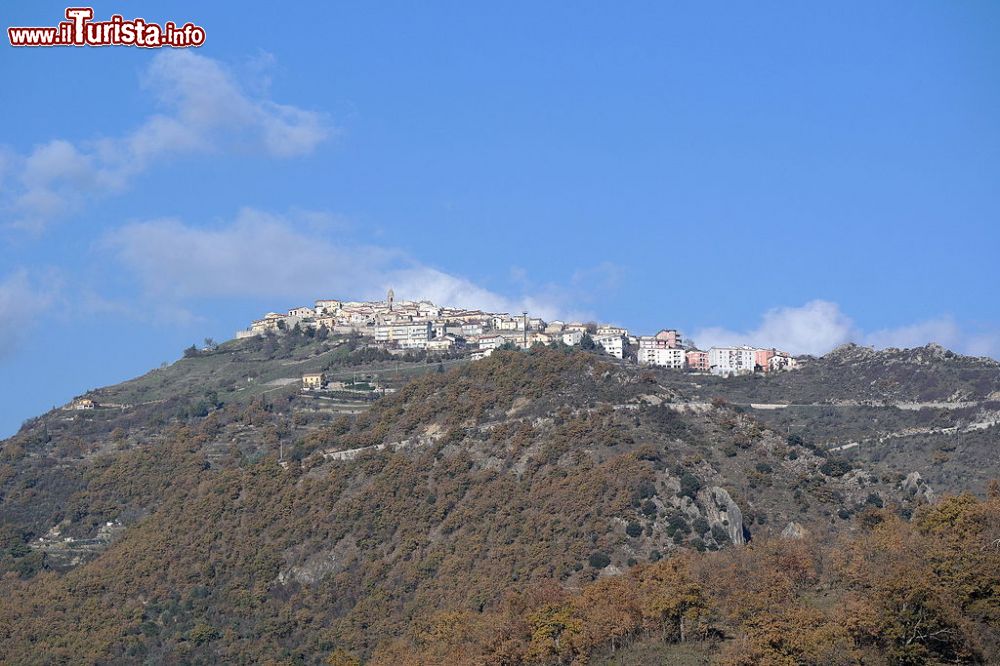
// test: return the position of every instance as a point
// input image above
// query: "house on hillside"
(81, 404)
(312, 381)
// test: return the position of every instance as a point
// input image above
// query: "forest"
(539, 507)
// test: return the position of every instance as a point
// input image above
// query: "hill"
(204, 517)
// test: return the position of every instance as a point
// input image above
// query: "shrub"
(646, 490)
(690, 485)
(835, 467)
(678, 523)
(633, 529)
(598, 560)
(700, 525)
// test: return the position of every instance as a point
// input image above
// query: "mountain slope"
(171, 531)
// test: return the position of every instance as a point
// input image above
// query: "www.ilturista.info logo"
(80, 30)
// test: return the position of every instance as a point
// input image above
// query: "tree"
(599, 560)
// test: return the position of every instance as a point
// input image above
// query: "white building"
(612, 330)
(327, 306)
(508, 323)
(472, 329)
(614, 345)
(783, 361)
(445, 343)
(301, 312)
(572, 338)
(663, 357)
(408, 333)
(491, 342)
(728, 361)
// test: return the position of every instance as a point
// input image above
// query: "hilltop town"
(401, 326)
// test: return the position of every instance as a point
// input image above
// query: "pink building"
(697, 360)
(671, 337)
(762, 359)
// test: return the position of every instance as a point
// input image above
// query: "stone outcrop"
(793, 531)
(721, 510)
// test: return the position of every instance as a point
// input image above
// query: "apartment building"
(728, 361)
(697, 360)
(404, 332)
(614, 345)
(662, 357)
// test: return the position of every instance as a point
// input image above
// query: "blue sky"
(797, 174)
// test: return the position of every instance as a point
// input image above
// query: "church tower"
(389, 298)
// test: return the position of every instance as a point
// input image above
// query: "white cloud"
(819, 326)
(815, 328)
(262, 255)
(944, 331)
(22, 300)
(203, 110)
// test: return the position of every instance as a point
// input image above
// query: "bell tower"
(389, 298)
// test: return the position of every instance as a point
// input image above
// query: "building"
(508, 323)
(555, 327)
(491, 342)
(665, 339)
(327, 307)
(312, 381)
(273, 322)
(301, 312)
(671, 337)
(612, 330)
(662, 357)
(472, 329)
(728, 361)
(407, 332)
(82, 404)
(572, 338)
(444, 343)
(535, 339)
(762, 359)
(783, 361)
(697, 360)
(614, 345)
